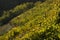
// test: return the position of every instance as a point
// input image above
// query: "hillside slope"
(38, 21)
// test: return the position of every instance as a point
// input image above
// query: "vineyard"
(38, 20)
